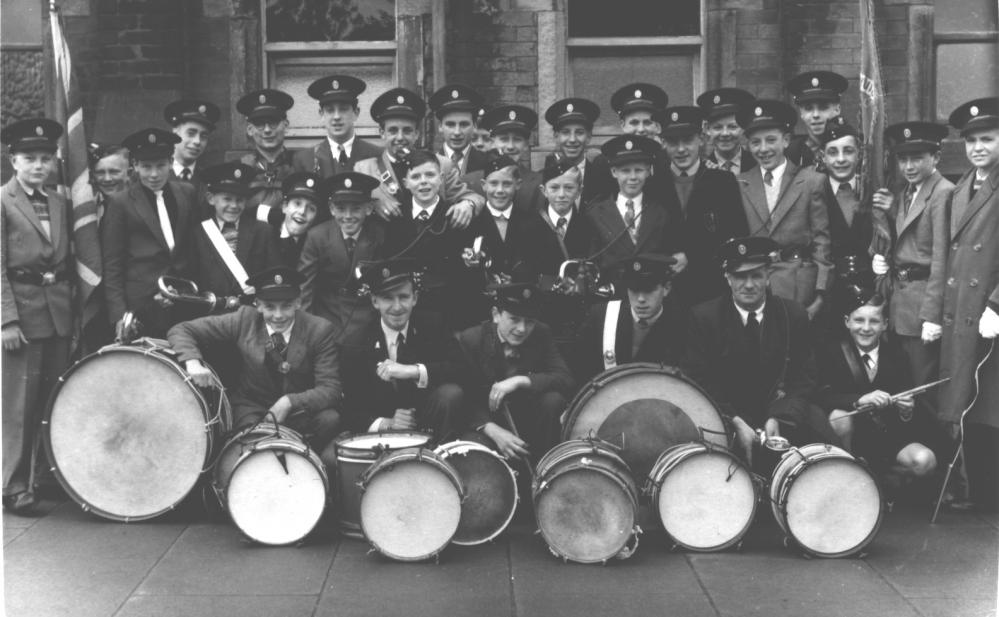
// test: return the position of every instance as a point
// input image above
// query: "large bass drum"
(644, 409)
(128, 433)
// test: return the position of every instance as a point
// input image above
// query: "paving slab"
(218, 606)
(955, 607)
(74, 564)
(212, 559)
(466, 581)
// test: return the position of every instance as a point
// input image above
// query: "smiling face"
(683, 150)
(724, 134)
(982, 148)
(153, 174)
(278, 314)
(395, 304)
(866, 325)
(561, 191)
(299, 212)
(512, 328)
(917, 166)
(571, 139)
(228, 206)
(399, 135)
(193, 141)
(339, 118)
(32, 167)
(815, 115)
(350, 215)
(500, 187)
(457, 129)
(111, 172)
(767, 147)
(842, 157)
(267, 134)
(510, 143)
(424, 182)
(631, 177)
(639, 122)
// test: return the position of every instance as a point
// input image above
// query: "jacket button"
(973, 283)
(953, 247)
(977, 247)
(950, 281)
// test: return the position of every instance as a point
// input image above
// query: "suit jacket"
(921, 238)
(327, 271)
(972, 283)
(746, 161)
(312, 382)
(660, 230)
(749, 386)
(597, 179)
(41, 311)
(839, 388)
(543, 252)
(474, 160)
(366, 396)
(289, 249)
(439, 249)
(319, 159)
(502, 253)
(479, 355)
(713, 215)
(528, 197)
(255, 249)
(799, 219)
(663, 344)
(452, 191)
(134, 249)
(801, 151)
(265, 189)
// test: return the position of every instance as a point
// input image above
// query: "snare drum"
(277, 491)
(586, 502)
(128, 433)
(491, 486)
(354, 455)
(410, 504)
(241, 443)
(826, 500)
(704, 496)
(644, 409)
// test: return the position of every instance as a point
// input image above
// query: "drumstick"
(513, 429)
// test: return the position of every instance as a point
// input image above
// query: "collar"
(744, 314)
(179, 167)
(28, 191)
(284, 231)
(267, 161)
(286, 335)
(736, 158)
(836, 183)
(505, 214)
(429, 209)
(690, 172)
(449, 151)
(355, 236)
(637, 200)
(872, 353)
(222, 223)
(392, 335)
(778, 172)
(348, 145)
(652, 320)
(553, 216)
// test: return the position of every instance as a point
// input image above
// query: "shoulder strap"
(228, 257)
(610, 333)
(859, 374)
(386, 177)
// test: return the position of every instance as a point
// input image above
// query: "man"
(456, 107)
(645, 327)
(36, 231)
(510, 127)
(751, 351)
(572, 125)
(334, 249)
(227, 246)
(399, 113)
(290, 364)
(146, 233)
(628, 223)
(510, 363)
(787, 204)
(918, 213)
(816, 96)
(266, 114)
(193, 121)
(338, 111)
(300, 208)
(397, 374)
(863, 370)
(708, 200)
(640, 107)
(723, 131)
(971, 300)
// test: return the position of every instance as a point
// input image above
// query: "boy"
(816, 97)
(192, 121)
(266, 114)
(572, 125)
(338, 110)
(510, 127)
(558, 231)
(299, 210)
(456, 107)
(723, 132)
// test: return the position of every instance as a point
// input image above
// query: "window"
(307, 39)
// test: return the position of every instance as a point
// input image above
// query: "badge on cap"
(758, 111)
(742, 249)
(237, 174)
(675, 116)
(569, 107)
(278, 279)
(815, 82)
(202, 109)
(637, 266)
(717, 99)
(309, 182)
(152, 138)
(262, 98)
(527, 294)
(39, 131)
(628, 145)
(386, 273)
(454, 94)
(907, 133)
(513, 115)
(336, 84)
(347, 183)
(638, 94)
(974, 110)
(400, 99)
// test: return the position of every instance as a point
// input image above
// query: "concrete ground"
(68, 562)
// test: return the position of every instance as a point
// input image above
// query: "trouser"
(28, 377)
(535, 418)
(317, 428)
(924, 366)
(441, 412)
(981, 458)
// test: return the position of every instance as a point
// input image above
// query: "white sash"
(228, 257)
(610, 333)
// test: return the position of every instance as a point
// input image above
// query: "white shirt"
(449, 151)
(46, 225)
(221, 224)
(348, 146)
(736, 161)
(622, 207)
(690, 172)
(179, 167)
(744, 314)
(505, 214)
(284, 231)
(873, 366)
(417, 208)
(852, 182)
(554, 216)
(286, 335)
(773, 191)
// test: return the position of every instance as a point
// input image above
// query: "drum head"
(644, 409)
(276, 496)
(410, 511)
(585, 515)
(707, 501)
(833, 507)
(127, 435)
(491, 498)
(385, 441)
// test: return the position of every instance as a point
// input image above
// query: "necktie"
(683, 174)
(869, 366)
(753, 334)
(638, 334)
(768, 178)
(400, 345)
(164, 216)
(40, 204)
(977, 184)
(910, 192)
(423, 216)
(278, 339)
(629, 220)
(351, 245)
(501, 225)
(844, 189)
(231, 235)
(341, 158)
(185, 174)
(456, 156)
(561, 226)
(727, 165)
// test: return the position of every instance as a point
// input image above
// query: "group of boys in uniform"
(369, 288)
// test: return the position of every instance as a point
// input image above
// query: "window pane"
(21, 23)
(330, 20)
(596, 75)
(965, 71)
(964, 15)
(589, 18)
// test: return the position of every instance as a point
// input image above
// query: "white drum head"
(707, 501)
(386, 441)
(833, 507)
(410, 511)
(128, 435)
(272, 505)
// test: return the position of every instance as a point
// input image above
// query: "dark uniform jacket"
(597, 179)
(851, 239)
(473, 160)
(660, 230)
(289, 248)
(255, 250)
(265, 188)
(439, 248)
(527, 198)
(319, 159)
(542, 250)
(746, 161)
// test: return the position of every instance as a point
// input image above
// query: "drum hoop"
(624, 481)
(341, 445)
(153, 351)
(576, 447)
(472, 447)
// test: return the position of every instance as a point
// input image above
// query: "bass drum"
(826, 500)
(644, 409)
(128, 433)
(492, 495)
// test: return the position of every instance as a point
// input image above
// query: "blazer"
(472, 161)
(134, 249)
(324, 264)
(319, 159)
(255, 249)
(452, 191)
(312, 382)
(528, 197)
(366, 396)
(597, 179)
(40, 311)
(839, 388)
(541, 249)
(801, 151)
(478, 353)
(439, 250)
(660, 230)
(265, 188)
(502, 253)
(921, 238)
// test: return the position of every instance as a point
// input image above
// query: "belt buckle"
(48, 278)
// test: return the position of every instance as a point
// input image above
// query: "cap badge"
(309, 182)
(278, 279)
(152, 138)
(717, 99)
(237, 174)
(513, 115)
(527, 294)
(758, 111)
(742, 249)
(347, 183)
(262, 98)
(638, 94)
(637, 266)
(974, 110)
(815, 82)
(335, 84)
(675, 116)
(569, 107)
(454, 94)
(386, 273)
(907, 133)
(628, 145)
(202, 109)
(39, 130)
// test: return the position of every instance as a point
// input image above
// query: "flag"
(872, 122)
(76, 175)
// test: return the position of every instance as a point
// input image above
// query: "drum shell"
(390, 461)
(493, 497)
(354, 455)
(245, 439)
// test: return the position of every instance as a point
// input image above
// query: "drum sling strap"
(610, 333)
(859, 374)
(221, 247)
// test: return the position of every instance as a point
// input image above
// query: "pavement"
(69, 562)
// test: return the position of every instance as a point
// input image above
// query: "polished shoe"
(21, 504)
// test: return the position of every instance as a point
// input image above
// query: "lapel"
(787, 183)
(979, 200)
(57, 213)
(338, 247)
(295, 353)
(608, 216)
(261, 340)
(244, 240)
(365, 248)
(652, 218)
(147, 212)
(918, 204)
(21, 201)
(751, 183)
(324, 158)
(377, 344)
(773, 332)
(625, 332)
